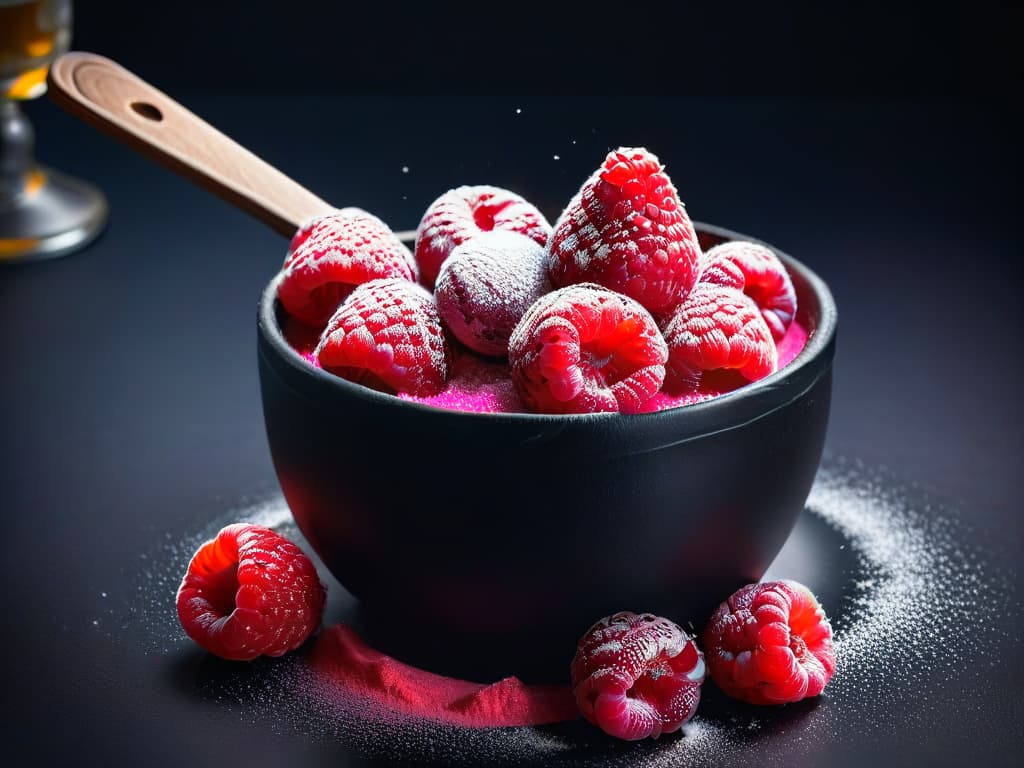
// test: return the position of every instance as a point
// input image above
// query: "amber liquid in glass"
(32, 34)
(43, 213)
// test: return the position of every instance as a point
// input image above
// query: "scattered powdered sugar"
(914, 610)
(157, 574)
(921, 600)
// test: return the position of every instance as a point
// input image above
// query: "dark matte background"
(879, 147)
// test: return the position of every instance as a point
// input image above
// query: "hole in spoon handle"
(147, 110)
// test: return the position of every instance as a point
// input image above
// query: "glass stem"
(16, 143)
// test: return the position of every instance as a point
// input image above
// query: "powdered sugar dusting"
(464, 212)
(717, 328)
(486, 285)
(761, 275)
(270, 513)
(333, 253)
(626, 230)
(585, 349)
(916, 591)
(389, 329)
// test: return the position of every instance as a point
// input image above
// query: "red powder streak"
(342, 660)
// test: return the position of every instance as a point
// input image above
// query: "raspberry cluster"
(599, 313)
(638, 676)
(250, 592)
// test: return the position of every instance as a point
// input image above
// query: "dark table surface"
(132, 419)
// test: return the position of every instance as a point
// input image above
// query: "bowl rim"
(806, 368)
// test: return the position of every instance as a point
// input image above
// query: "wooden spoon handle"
(109, 97)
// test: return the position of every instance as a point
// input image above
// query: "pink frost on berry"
(627, 230)
(332, 254)
(465, 212)
(387, 333)
(250, 592)
(637, 676)
(758, 272)
(717, 328)
(584, 349)
(486, 286)
(770, 643)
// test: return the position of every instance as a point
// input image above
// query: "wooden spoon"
(109, 97)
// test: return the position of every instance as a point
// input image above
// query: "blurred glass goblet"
(43, 213)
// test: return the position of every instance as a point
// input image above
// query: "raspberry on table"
(770, 643)
(627, 230)
(584, 349)
(465, 212)
(755, 270)
(636, 676)
(387, 335)
(717, 328)
(250, 592)
(332, 254)
(486, 286)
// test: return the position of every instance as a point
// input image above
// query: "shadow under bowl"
(484, 545)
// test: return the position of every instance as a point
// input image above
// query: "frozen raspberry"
(250, 592)
(717, 328)
(584, 349)
(465, 212)
(627, 230)
(387, 335)
(332, 254)
(637, 676)
(758, 272)
(486, 286)
(770, 643)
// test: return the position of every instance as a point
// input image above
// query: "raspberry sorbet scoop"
(770, 643)
(250, 592)
(636, 676)
(627, 230)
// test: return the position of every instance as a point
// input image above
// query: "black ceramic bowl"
(482, 544)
